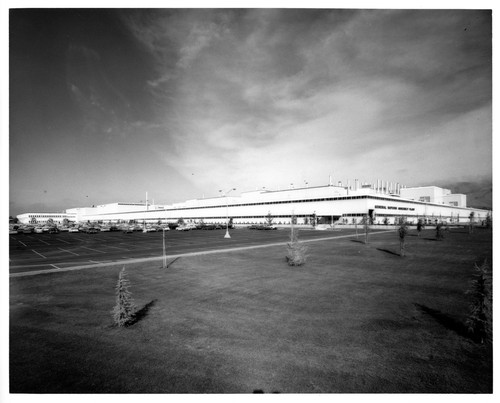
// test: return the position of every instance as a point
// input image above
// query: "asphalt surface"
(39, 252)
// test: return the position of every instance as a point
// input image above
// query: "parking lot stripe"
(95, 250)
(73, 253)
(116, 247)
(22, 243)
(62, 240)
(33, 250)
(41, 240)
(53, 265)
(128, 260)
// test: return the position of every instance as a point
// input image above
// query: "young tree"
(480, 319)
(402, 231)
(488, 220)
(439, 231)
(366, 226)
(471, 222)
(269, 219)
(124, 309)
(420, 226)
(296, 251)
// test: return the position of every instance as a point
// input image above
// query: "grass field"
(356, 318)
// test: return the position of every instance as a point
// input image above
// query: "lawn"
(356, 318)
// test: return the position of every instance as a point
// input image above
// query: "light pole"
(227, 211)
(164, 250)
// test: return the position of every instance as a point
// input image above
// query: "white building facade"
(383, 203)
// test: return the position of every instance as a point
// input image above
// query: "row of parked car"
(202, 226)
(126, 228)
(88, 229)
(263, 227)
(30, 229)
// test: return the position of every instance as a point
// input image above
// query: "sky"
(108, 104)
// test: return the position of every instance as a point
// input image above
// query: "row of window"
(47, 216)
(394, 208)
(286, 202)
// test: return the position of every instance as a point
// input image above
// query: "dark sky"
(108, 104)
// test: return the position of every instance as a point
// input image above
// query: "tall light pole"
(227, 211)
(164, 250)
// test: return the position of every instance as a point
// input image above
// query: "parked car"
(54, 230)
(128, 230)
(73, 229)
(182, 228)
(12, 231)
(38, 230)
(262, 227)
(28, 230)
(92, 230)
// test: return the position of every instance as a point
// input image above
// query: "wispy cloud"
(255, 93)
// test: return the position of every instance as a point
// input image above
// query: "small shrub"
(488, 221)
(296, 251)
(402, 232)
(471, 222)
(124, 309)
(365, 221)
(269, 219)
(439, 231)
(480, 319)
(420, 226)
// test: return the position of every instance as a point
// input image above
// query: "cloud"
(247, 94)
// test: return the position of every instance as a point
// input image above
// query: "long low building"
(325, 204)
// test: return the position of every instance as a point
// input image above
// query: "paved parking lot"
(35, 252)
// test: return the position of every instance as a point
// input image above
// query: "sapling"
(124, 309)
(402, 231)
(439, 231)
(296, 251)
(479, 321)
(420, 226)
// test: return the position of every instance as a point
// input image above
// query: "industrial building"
(383, 202)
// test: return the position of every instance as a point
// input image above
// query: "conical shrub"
(296, 251)
(124, 309)
(480, 319)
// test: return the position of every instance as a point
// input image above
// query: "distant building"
(44, 218)
(382, 202)
(434, 194)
